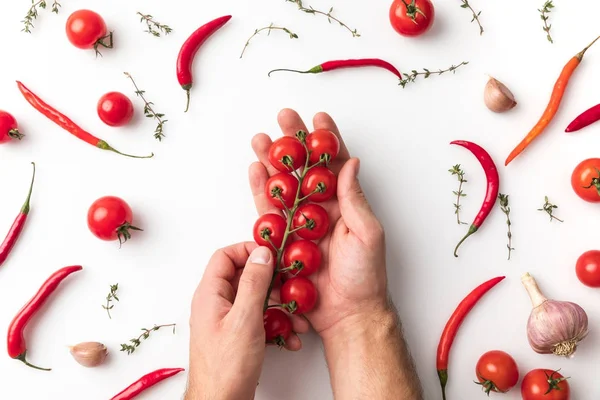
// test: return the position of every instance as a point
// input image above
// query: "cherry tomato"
(9, 128)
(322, 145)
(315, 220)
(115, 109)
(284, 185)
(110, 218)
(86, 29)
(545, 384)
(586, 180)
(303, 256)
(271, 226)
(588, 268)
(302, 292)
(320, 178)
(414, 19)
(278, 326)
(497, 372)
(287, 154)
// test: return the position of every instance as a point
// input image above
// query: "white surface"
(193, 197)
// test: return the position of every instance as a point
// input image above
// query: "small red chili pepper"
(17, 227)
(337, 64)
(17, 347)
(64, 122)
(188, 51)
(145, 382)
(452, 326)
(493, 185)
(584, 119)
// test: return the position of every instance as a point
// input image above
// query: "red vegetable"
(17, 227)
(287, 154)
(145, 382)
(338, 64)
(278, 326)
(281, 189)
(189, 49)
(311, 221)
(584, 119)
(299, 295)
(302, 258)
(493, 185)
(588, 268)
(115, 109)
(8, 128)
(497, 372)
(269, 230)
(64, 122)
(320, 184)
(412, 17)
(451, 328)
(545, 384)
(17, 347)
(323, 146)
(87, 30)
(585, 180)
(110, 218)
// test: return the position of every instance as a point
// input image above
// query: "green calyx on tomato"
(553, 383)
(595, 182)
(488, 386)
(412, 10)
(123, 233)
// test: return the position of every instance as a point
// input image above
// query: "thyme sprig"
(149, 110)
(465, 4)
(329, 15)
(549, 209)
(269, 28)
(110, 297)
(154, 27)
(427, 73)
(33, 13)
(457, 171)
(506, 210)
(136, 342)
(547, 9)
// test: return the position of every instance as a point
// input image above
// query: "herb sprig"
(549, 209)
(136, 342)
(506, 210)
(33, 13)
(154, 27)
(329, 15)
(149, 111)
(427, 73)
(457, 171)
(465, 4)
(110, 297)
(548, 6)
(269, 28)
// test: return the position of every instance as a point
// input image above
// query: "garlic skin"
(554, 327)
(497, 97)
(89, 354)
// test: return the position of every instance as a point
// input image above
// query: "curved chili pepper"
(188, 51)
(452, 326)
(145, 382)
(493, 185)
(584, 119)
(17, 227)
(555, 99)
(64, 122)
(337, 64)
(16, 345)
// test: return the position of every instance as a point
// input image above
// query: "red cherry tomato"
(588, 268)
(301, 291)
(414, 19)
(322, 145)
(545, 384)
(278, 326)
(303, 257)
(110, 218)
(287, 154)
(497, 372)
(115, 109)
(315, 220)
(271, 226)
(284, 185)
(9, 129)
(320, 178)
(585, 180)
(86, 29)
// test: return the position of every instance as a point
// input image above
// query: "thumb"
(254, 282)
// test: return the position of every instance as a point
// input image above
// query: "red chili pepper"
(17, 227)
(188, 52)
(454, 324)
(337, 64)
(584, 119)
(493, 185)
(145, 382)
(17, 347)
(64, 122)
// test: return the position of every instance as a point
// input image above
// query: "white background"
(193, 197)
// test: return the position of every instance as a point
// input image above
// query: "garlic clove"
(89, 354)
(497, 97)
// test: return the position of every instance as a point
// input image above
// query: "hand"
(352, 282)
(227, 338)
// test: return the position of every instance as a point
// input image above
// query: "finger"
(293, 343)
(299, 323)
(324, 121)
(258, 177)
(290, 122)
(254, 283)
(261, 144)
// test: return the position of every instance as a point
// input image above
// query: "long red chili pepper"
(337, 64)
(64, 122)
(145, 382)
(17, 347)
(188, 51)
(493, 185)
(452, 326)
(17, 227)
(584, 119)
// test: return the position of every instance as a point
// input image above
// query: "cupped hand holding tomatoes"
(87, 30)
(545, 384)
(115, 109)
(299, 295)
(497, 372)
(110, 218)
(278, 326)
(588, 268)
(412, 17)
(585, 180)
(9, 129)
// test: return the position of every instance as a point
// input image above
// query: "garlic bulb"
(498, 97)
(554, 327)
(89, 354)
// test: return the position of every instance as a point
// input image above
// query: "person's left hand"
(227, 336)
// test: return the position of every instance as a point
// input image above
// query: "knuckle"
(375, 235)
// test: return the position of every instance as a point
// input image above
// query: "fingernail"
(260, 255)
